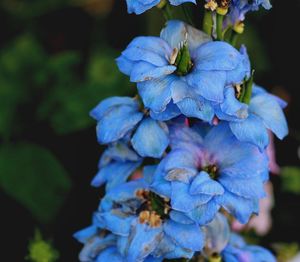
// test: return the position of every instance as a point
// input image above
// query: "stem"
(187, 15)
(207, 22)
(167, 12)
(234, 38)
(248, 91)
(220, 27)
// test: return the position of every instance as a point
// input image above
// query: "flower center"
(212, 170)
(181, 58)
(154, 208)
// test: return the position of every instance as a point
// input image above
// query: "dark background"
(76, 28)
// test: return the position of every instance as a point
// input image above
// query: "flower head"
(146, 225)
(208, 168)
(239, 9)
(238, 251)
(182, 69)
(120, 118)
(249, 123)
(140, 6)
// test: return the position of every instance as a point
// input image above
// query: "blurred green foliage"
(40, 250)
(290, 176)
(53, 91)
(35, 178)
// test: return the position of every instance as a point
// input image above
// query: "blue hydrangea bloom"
(205, 172)
(149, 61)
(239, 8)
(249, 123)
(140, 6)
(116, 165)
(130, 213)
(119, 117)
(238, 251)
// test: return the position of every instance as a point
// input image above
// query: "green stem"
(207, 22)
(220, 27)
(167, 12)
(234, 38)
(248, 91)
(187, 15)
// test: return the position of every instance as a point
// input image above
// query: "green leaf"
(35, 178)
(291, 179)
(69, 102)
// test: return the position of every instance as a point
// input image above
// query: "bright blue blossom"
(120, 117)
(249, 123)
(101, 245)
(146, 225)
(140, 6)
(205, 172)
(116, 165)
(239, 8)
(164, 88)
(238, 251)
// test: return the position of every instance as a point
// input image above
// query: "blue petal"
(151, 44)
(137, 54)
(168, 249)
(186, 236)
(148, 173)
(180, 217)
(143, 71)
(83, 235)
(177, 31)
(109, 103)
(116, 123)
(217, 234)
(182, 201)
(269, 110)
(143, 240)
(216, 56)
(119, 152)
(247, 188)
(138, 7)
(208, 84)
(151, 138)
(92, 248)
(169, 113)
(203, 184)
(203, 214)
(180, 165)
(179, 2)
(232, 107)
(114, 174)
(251, 130)
(241, 208)
(159, 184)
(118, 225)
(236, 159)
(110, 254)
(125, 65)
(260, 254)
(156, 94)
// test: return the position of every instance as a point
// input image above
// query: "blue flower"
(116, 165)
(140, 6)
(239, 8)
(205, 172)
(101, 245)
(238, 251)
(249, 123)
(146, 225)
(120, 117)
(182, 69)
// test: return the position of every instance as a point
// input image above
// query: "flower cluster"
(196, 134)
